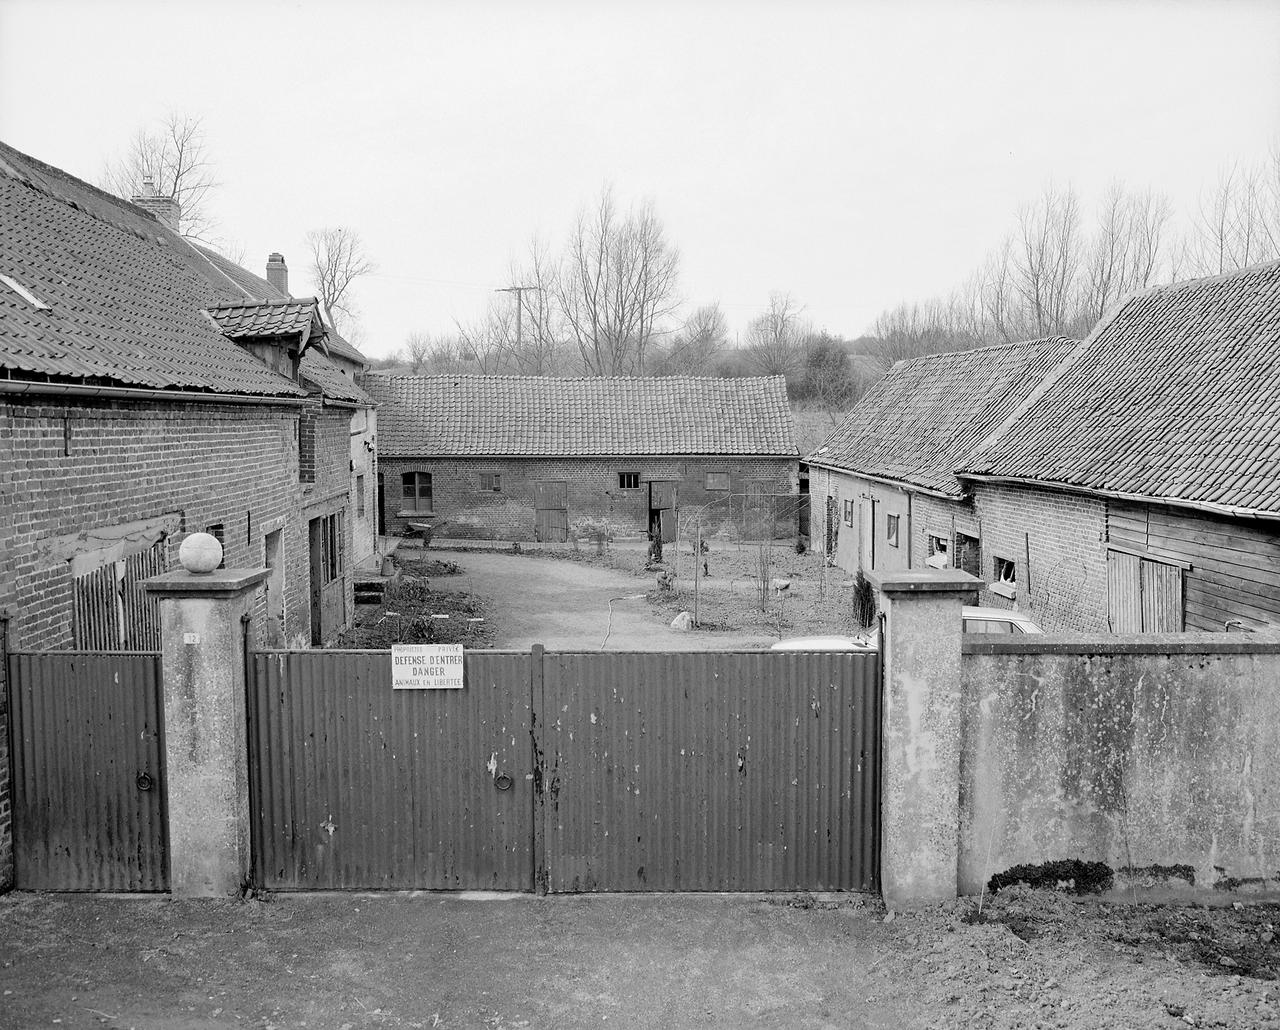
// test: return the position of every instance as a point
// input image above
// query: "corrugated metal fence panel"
(713, 771)
(356, 785)
(86, 729)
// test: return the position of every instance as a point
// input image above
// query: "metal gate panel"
(711, 771)
(354, 785)
(88, 777)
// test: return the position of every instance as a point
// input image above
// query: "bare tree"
(537, 347)
(617, 285)
(1238, 222)
(1047, 262)
(338, 259)
(417, 351)
(693, 349)
(489, 342)
(173, 160)
(1125, 250)
(774, 341)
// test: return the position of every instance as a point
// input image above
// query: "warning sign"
(426, 666)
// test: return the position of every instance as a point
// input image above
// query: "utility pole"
(519, 291)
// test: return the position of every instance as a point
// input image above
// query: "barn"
(532, 458)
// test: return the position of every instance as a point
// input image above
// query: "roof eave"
(1210, 507)
(901, 484)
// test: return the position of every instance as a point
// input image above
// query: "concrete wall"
(594, 494)
(1134, 751)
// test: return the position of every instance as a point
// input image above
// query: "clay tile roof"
(325, 375)
(266, 318)
(918, 424)
(124, 294)
(255, 287)
(1175, 396)
(421, 416)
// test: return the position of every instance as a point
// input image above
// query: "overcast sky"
(853, 154)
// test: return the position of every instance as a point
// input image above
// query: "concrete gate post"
(920, 777)
(206, 747)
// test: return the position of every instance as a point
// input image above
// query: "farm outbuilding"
(534, 458)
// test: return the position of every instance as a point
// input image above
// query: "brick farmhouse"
(531, 458)
(1125, 482)
(146, 393)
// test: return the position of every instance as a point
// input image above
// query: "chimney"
(165, 210)
(278, 273)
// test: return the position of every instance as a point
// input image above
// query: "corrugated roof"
(920, 421)
(125, 293)
(1175, 396)
(535, 416)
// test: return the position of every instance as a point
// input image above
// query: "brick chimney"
(166, 210)
(278, 273)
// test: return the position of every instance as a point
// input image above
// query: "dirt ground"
(583, 598)
(1032, 959)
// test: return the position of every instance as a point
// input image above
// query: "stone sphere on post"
(200, 553)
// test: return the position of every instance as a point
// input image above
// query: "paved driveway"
(565, 605)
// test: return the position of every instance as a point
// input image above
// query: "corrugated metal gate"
(568, 772)
(88, 775)
(355, 785)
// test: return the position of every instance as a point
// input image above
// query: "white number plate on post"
(426, 666)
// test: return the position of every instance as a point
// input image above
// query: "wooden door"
(551, 511)
(315, 538)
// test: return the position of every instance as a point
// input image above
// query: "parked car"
(976, 620)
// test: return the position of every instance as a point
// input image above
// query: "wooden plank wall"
(1235, 563)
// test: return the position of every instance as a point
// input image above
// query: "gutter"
(353, 405)
(129, 394)
(1231, 511)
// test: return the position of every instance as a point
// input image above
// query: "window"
(891, 530)
(332, 547)
(1006, 578)
(938, 546)
(491, 481)
(359, 495)
(717, 480)
(968, 555)
(628, 480)
(416, 487)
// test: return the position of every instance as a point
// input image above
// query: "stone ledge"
(925, 581)
(219, 581)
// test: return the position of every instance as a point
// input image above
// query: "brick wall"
(594, 493)
(1066, 534)
(331, 492)
(70, 467)
(6, 788)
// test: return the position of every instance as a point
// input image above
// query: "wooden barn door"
(551, 511)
